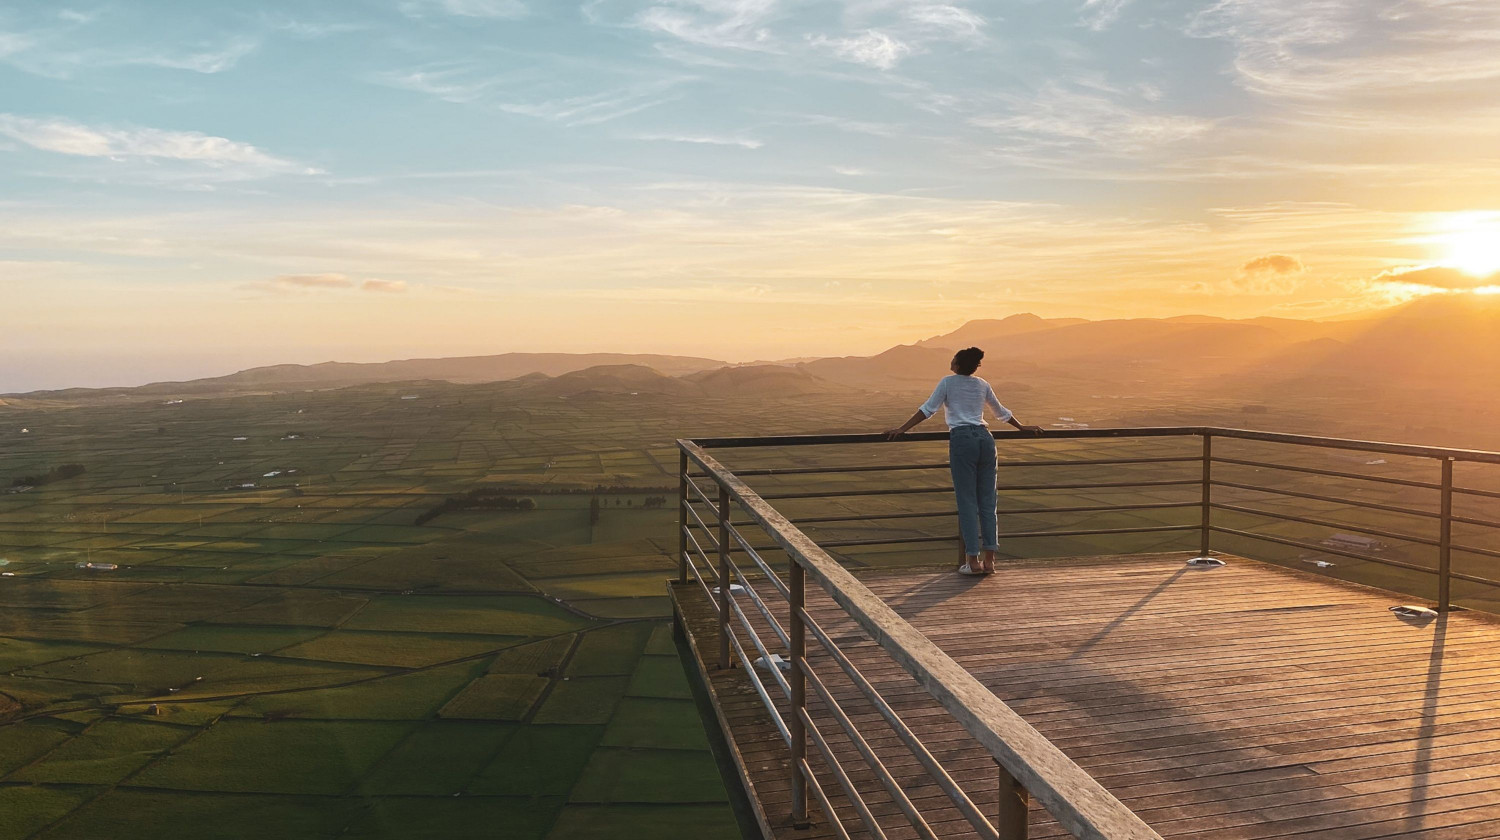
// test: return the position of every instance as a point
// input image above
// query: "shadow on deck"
(1244, 702)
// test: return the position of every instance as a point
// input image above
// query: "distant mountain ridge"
(1430, 339)
(462, 370)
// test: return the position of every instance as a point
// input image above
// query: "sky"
(190, 187)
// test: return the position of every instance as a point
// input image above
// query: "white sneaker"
(965, 570)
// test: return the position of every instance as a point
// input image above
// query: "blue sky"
(190, 187)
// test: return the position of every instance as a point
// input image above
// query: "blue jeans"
(971, 457)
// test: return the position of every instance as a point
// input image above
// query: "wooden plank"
(1333, 722)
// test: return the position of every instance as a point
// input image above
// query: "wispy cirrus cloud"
(1100, 14)
(285, 284)
(701, 139)
(942, 21)
(473, 83)
(450, 82)
(871, 48)
(313, 281)
(66, 137)
(1060, 115)
(595, 108)
(1368, 50)
(724, 24)
(383, 286)
(490, 9)
(67, 46)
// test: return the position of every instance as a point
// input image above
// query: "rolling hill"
(462, 370)
(1437, 339)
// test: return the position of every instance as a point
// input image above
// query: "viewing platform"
(1116, 695)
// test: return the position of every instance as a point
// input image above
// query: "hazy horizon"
(127, 372)
(63, 372)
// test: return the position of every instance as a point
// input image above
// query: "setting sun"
(1473, 246)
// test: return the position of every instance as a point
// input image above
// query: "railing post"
(1445, 541)
(1205, 539)
(682, 516)
(1013, 822)
(726, 578)
(797, 644)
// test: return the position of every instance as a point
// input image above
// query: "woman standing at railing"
(971, 454)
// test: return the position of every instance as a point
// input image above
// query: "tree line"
(474, 500)
(56, 474)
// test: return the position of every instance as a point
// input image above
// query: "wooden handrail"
(1074, 798)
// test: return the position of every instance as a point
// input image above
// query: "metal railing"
(1029, 765)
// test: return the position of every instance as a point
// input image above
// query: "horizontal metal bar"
(707, 592)
(828, 810)
(1003, 488)
(760, 646)
(1470, 455)
(1109, 485)
(1402, 482)
(1337, 552)
(1096, 462)
(894, 788)
(1414, 450)
(760, 605)
(1298, 494)
(693, 541)
(1484, 523)
(1484, 552)
(874, 517)
(934, 768)
(760, 688)
(754, 555)
(1483, 581)
(898, 541)
(918, 437)
(840, 775)
(693, 485)
(835, 470)
(839, 494)
(822, 520)
(1474, 491)
(709, 532)
(1097, 508)
(1095, 532)
(1326, 523)
(1102, 462)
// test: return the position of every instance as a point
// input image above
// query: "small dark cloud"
(1273, 264)
(1438, 277)
(1272, 274)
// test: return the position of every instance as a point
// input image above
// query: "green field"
(316, 659)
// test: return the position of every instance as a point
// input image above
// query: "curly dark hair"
(968, 359)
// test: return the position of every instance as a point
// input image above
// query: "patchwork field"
(299, 659)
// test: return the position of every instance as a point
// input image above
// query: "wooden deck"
(1242, 703)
